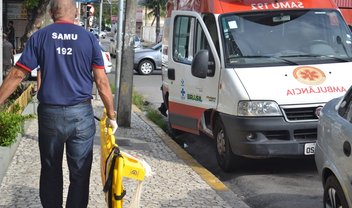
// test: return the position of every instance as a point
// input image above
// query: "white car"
(107, 59)
(104, 53)
(102, 34)
(98, 34)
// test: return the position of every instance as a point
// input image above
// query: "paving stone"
(173, 183)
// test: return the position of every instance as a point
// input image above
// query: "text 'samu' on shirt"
(66, 54)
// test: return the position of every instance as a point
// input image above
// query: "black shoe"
(163, 109)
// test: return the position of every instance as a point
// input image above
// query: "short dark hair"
(11, 21)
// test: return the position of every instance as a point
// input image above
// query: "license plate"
(309, 149)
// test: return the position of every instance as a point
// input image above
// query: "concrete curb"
(7, 153)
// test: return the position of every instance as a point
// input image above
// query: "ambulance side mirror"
(200, 64)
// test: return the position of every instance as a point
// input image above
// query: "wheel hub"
(146, 68)
(220, 142)
(333, 199)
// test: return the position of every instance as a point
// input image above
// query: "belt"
(89, 101)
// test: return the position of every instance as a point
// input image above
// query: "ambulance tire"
(226, 159)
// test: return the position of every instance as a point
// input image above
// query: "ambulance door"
(190, 96)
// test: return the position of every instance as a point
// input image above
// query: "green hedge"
(10, 124)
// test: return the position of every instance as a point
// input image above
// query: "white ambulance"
(254, 74)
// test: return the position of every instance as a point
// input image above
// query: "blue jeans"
(75, 127)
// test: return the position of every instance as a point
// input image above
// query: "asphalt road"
(274, 183)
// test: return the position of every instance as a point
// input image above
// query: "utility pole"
(119, 46)
(126, 77)
(100, 16)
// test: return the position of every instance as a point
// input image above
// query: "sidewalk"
(175, 182)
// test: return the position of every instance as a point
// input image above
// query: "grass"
(152, 114)
(157, 118)
(139, 101)
(143, 105)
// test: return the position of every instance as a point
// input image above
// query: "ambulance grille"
(279, 135)
(305, 134)
(300, 114)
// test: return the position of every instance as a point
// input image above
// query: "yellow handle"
(126, 165)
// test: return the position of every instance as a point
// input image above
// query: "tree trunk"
(157, 28)
(34, 21)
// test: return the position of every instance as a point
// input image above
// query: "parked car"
(104, 52)
(333, 151)
(137, 42)
(98, 34)
(107, 59)
(102, 34)
(146, 60)
(112, 46)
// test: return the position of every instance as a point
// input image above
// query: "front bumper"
(268, 136)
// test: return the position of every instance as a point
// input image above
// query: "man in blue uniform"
(68, 56)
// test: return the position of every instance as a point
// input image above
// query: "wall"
(148, 34)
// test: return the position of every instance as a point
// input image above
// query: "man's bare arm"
(103, 85)
(12, 80)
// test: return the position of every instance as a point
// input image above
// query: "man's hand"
(113, 124)
(112, 121)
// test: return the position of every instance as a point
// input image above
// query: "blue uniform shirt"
(66, 54)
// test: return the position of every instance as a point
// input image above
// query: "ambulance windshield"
(285, 38)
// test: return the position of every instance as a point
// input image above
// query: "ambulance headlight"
(258, 108)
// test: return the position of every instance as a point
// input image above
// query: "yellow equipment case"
(115, 165)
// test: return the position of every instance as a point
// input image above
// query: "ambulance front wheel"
(226, 159)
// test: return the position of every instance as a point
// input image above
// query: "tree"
(36, 10)
(108, 11)
(157, 9)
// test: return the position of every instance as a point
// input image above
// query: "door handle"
(347, 148)
(171, 74)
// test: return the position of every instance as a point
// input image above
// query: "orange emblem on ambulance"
(309, 75)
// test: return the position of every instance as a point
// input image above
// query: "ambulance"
(252, 74)
(345, 7)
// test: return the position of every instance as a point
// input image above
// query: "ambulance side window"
(201, 43)
(210, 22)
(182, 47)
